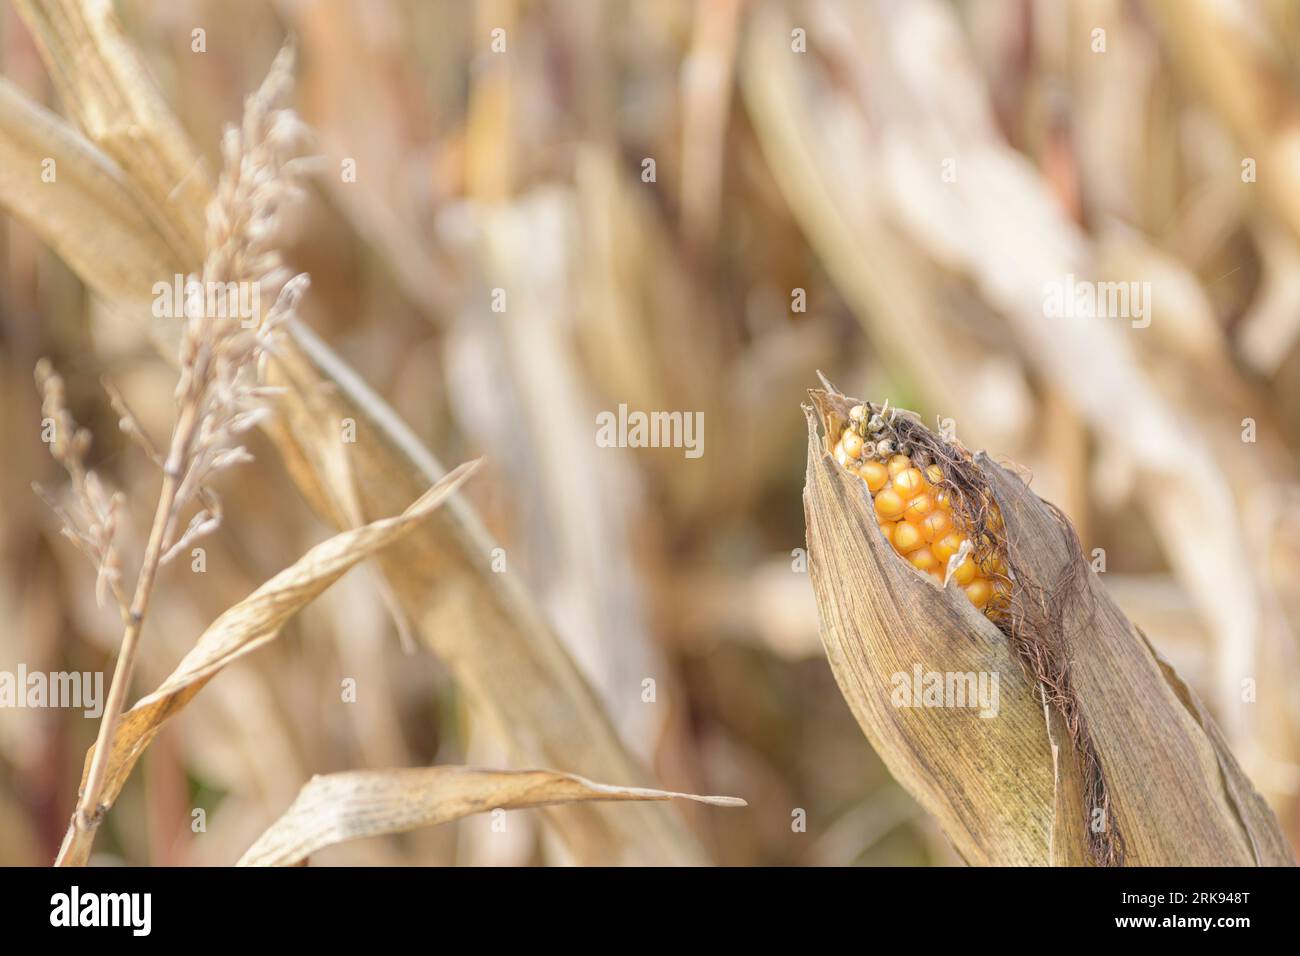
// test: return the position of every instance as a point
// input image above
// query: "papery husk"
(1023, 787)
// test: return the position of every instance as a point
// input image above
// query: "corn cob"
(913, 502)
(1087, 791)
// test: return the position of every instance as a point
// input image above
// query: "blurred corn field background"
(530, 212)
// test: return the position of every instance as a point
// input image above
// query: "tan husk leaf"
(1012, 788)
(1269, 842)
(1177, 793)
(247, 626)
(356, 804)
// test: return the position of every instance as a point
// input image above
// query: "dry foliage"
(239, 631)
(805, 215)
(474, 620)
(367, 803)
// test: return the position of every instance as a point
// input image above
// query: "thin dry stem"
(89, 812)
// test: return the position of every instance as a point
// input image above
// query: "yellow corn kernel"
(874, 474)
(979, 591)
(887, 529)
(947, 546)
(923, 559)
(899, 463)
(909, 483)
(888, 504)
(965, 572)
(935, 525)
(934, 474)
(907, 537)
(919, 507)
(852, 443)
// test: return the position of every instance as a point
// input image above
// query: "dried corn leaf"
(1214, 48)
(579, 504)
(827, 162)
(366, 803)
(244, 628)
(105, 87)
(1119, 767)
(485, 626)
(87, 212)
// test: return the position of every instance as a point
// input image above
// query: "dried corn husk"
(1120, 765)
